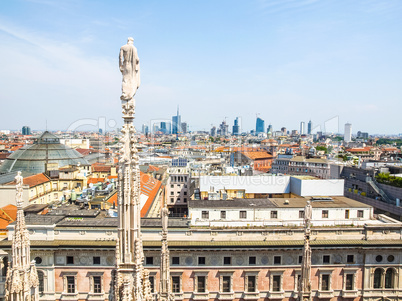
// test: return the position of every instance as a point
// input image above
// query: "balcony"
(200, 296)
(277, 295)
(325, 294)
(226, 296)
(251, 295)
(349, 294)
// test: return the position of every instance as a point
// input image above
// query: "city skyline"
(323, 59)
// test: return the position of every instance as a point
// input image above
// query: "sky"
(287, 61)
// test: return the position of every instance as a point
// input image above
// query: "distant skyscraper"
(309, 127)
(184, 127)
(348, 132)
(236, 127)
(223, 129)
(259, 126)
(269, 129)
(213, 131)
(176, 123)
(283, 130)
(163, 127)
(302, 128)
(26, 130)
(145, 129)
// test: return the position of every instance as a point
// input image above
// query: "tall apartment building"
(259, 126)
(177, 187)
(348, 132)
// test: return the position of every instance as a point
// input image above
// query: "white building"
(348, 132)
(302, 128)
(331, 211)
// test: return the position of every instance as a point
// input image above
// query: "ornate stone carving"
(165, 290)
(304, 284)
(130, 282)
(22, 278)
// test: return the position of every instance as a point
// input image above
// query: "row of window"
(252, 260)
(383, 278)
(178, 200)
(274, 214)
(96, 260)
(178, 178)
(225, 285)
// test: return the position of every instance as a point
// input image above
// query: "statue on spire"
(22, 278)
(130, 281)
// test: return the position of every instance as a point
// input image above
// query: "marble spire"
(22, 278)
(305, 278)
(130, 279)
(165, 290)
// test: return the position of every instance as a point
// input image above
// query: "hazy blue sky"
(287, 60)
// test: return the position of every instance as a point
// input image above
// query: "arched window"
(41, 277)
(4, 266)
(378, 278)
(390, 278)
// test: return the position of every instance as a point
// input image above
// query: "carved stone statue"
(129, 64)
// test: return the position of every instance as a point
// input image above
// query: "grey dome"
(32, 158)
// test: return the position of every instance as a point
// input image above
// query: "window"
(274, 214)
(205, 214)
(38, 260)
(378, 278)
(176, 284)
(389, 278)
(227, 260)
(277, 259)
(70, 284)
(326, 259)
(300, 258)
(301, 213)
(347, 214)
(185, 193)
(97, 282)
(172, 200)
(96, 260)
(152, 283)
(41, 278)
(176, 260)
(325, 282)
(201, 260)
(172, 186)
(251, 284)
(70, 259)
(325, 214)
(172, 193)
(350, 281)
(252, 260)
(226, 284)
(378, 258)
(360, 213)
(201, 281)
(350, 259)
(276, 283)
(243, 214)
(149, 260)
(223, 214)
(391, 258)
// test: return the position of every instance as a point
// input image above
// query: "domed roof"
(46, 149)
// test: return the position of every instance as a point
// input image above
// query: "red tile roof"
(8, 214)
(95, 180)
(34, 180)
(100, 168)
(149, 187)
(257, 155)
